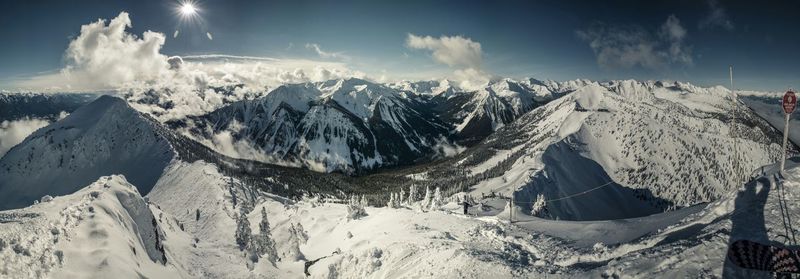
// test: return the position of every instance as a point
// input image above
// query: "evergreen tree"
(393, 199)
(437, 200)
(264, 244)
(296, 237)
(427, 200)
(355, 208)
(539, 208)
(243, 232)
(412, 194)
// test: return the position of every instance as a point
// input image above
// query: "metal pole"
(511, 209)
(785, 140)
(736, 164)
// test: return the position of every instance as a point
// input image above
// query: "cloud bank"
(106, 57)
(454, 51)
(14, 132)
(633, 46)
(458, 52)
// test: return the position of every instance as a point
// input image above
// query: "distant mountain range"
(551, 138)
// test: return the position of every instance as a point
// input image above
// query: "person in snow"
(466, 206)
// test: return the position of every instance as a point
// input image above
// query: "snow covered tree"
(297, 236)
(243, 232)
(437, 199)
(263, 242)
(402, 196)
(355, 209)
(394, 201)
(398, 200)
(539, 208)
(412, 194)
(427, 200)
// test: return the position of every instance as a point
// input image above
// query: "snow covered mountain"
(354, 125)
(108, 227)
(348, 125)
(102, 138)
(14, 106)
(616, 150)
(652, 146)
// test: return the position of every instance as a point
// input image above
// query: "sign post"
(789, 103)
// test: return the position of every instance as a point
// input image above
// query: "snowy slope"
(349, 125)
(105, 228)
(353, 125)
(665, 144)
(769, 107)
(477, 114)
(102, 138)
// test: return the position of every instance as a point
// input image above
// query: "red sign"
(789, 102)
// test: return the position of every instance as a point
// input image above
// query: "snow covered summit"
(102, 138)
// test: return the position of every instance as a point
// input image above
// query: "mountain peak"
(103, 137)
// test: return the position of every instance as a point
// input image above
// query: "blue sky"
(558, 40)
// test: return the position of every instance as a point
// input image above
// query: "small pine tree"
(243, 232)
(437, 200)
(412, 194)
(539, 208)
(427, 200)
(264, 244)
(390, 204)
(296, 237)
(355, 208)
(402, 196)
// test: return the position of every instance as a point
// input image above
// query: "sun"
(187, 9)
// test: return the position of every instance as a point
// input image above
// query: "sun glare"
(187, 9)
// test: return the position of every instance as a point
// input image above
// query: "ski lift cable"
(574, 195)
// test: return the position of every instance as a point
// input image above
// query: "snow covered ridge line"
(105, 227)
(357, 126)
(665, 146)
(353, 125)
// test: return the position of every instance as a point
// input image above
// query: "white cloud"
(471, 79)
(324, 54)
(104, 57)
(717, 17)
(632, 46)
(454, 51)
(14, 132)
(674, 33)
